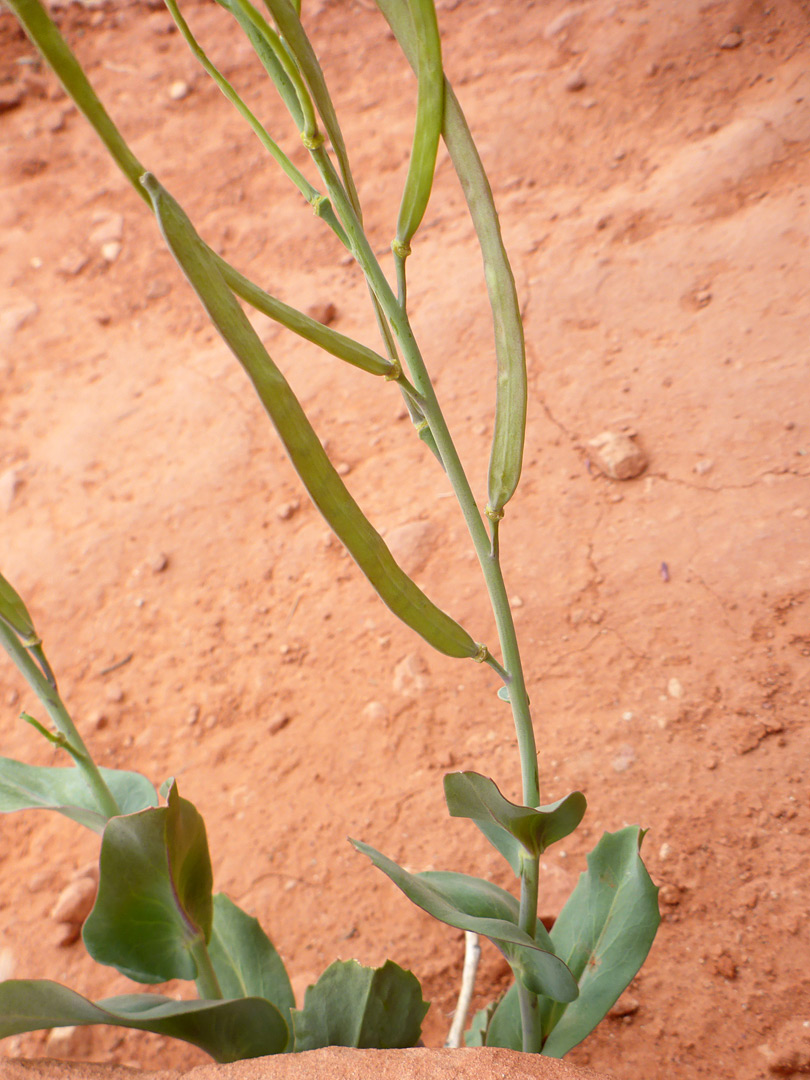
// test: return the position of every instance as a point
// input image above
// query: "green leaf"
(370, 1008)
(227, 1030)
(29, 787)
(505, 1028)
(471, 904)
(245, 960)
(154, 904)
(604, 933)
(476, 1034)
(471, 795)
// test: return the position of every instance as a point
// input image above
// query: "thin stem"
(49, 697)
(207, 983)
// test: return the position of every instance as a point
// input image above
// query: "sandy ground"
(205, 626)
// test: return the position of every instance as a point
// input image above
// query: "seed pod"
(14, 613)
(510, 408)
(324, 485)
(429, 110)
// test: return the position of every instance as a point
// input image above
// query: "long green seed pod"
(289, 25)
(269, 61)
(309, 125)
(512, 390)
(324, 485)
(429, 110)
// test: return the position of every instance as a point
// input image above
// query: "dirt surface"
(650, 163)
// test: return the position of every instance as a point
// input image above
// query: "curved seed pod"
(324, 485)
(345, 348)
(512, 391)
(15, 614)
(429, 109)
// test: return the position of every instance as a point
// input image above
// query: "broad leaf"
(154, 904)
(369, 1008)
(245, 960)
(471, 795)
(29, 787)
(506, 1028)
(604, 933)
(227, 1030)
(443, 897)
(476, 1034)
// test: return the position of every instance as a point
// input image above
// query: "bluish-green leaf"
(28, 787)
(154, 903)
(604, 933)
(473, 796)
(476, 1034)
(505, 1028)
(227, 1030)
(461, 906)
(245, 960)
(370, 1008)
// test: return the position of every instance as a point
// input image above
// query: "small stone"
(11, 97)
(670, 895)
(411, 676)
(114, 694)
(343, 469)
(108, 227)
(323, 312)
(10, 483)
(375, 712)
(110, 251)
(67, 934)
(287, 510)
(75, 901)
(98, 720)
(624, 1007)
(193, 715)
(159, 562)
(73, 263)
(725, 967)
(12, 697)
(624, 759)
(575, 81)
(516, 602)
(617, 456)
(732, 40)
(14, 317)
(703, 466)
(179, 89)
(278, 723)
(675, 688)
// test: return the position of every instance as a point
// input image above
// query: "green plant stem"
(208, 988)
(49, 697)
(486, 548)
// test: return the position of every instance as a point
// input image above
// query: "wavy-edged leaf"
(459, 901)
(473, 796)
(154, 903)
(604, 933)
(369, 1008)
(64, 789)
(245, 960)
(227, 1030)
